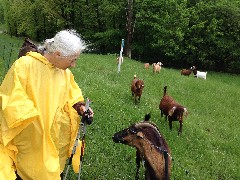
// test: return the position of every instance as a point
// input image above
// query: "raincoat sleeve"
(7, 169)
(17, 111)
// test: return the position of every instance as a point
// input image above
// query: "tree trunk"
(128, 46)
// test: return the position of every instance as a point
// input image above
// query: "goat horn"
(145, 124)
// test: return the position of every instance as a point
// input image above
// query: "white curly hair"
(67, 42)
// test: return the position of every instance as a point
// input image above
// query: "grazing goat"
(187, 72)
(146, 65)
(157, 67)
(202, 75)
(28, 46)
(171, 109)
(151, 148)
(137, 88)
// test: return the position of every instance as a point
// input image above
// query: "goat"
(202, 75)
(157, 67)
(137, 88)
(28, 46)
(187, 72)
(173, 110)
(151, 147)
(146, 65)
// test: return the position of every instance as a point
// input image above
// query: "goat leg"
(180, 128)
(170, 124)
(161, 113)
(138, 160)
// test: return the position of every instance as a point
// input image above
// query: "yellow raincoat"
(38, 125)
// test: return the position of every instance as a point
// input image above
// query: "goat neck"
(152, 146)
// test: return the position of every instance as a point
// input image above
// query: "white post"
(120, 59)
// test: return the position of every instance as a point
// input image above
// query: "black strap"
(18, 177)
(166, 165)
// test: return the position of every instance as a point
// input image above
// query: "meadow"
(209, 145)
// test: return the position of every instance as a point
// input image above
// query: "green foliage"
(1, 12)
(103, 24)
(215, 29)
(204, 33)
(163, 25)
(9, 52)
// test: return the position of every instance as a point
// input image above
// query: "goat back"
(166, 103)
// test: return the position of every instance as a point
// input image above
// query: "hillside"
(208, 147)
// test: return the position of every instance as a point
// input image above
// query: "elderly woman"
(40, 104)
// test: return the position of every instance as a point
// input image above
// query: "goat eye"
(125, 134)
(132, 131)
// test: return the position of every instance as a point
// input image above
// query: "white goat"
(201, 75)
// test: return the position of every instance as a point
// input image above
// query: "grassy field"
(209, 145)
(9, 47)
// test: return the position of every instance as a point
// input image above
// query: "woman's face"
(64, 62)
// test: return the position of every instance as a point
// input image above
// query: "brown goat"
(28, 46)
(151, 147)
(137, 88)
(187, 72)
(171, 109)
(146, 65)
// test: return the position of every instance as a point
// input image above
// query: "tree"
(204, 33)
(1, 12)
(130, 26)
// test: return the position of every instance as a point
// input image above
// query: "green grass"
(9, 48)
(209, 145)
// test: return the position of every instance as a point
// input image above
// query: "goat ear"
(140, 134)
(170, 113)
(186, 112)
